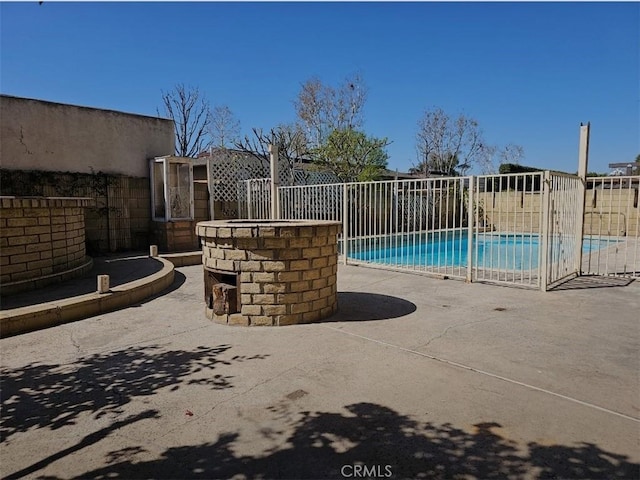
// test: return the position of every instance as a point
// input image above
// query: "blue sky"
(528, 72)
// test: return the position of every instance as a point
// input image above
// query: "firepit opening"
(221, 291)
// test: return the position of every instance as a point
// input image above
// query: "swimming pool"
(510, 251)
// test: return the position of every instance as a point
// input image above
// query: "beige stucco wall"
(40, 135)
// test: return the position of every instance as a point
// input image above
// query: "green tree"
(352, 156)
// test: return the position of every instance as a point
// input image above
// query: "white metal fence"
(418, 225)
(612, 227)
(508, 218)
(518, 229)
(254, 198)
(313, 202)
(562, 227)
(229, 172)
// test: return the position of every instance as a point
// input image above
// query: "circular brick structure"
(42, 241)
(263, 272)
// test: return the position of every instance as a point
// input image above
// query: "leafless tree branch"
(322, 109)
(191, 115)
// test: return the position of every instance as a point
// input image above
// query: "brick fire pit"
(263, 272)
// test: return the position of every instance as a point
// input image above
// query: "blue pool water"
(501, 251)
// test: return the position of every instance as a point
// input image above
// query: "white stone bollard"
(103, 283)
(153, 251)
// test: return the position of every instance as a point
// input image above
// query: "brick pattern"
(175, 236)
(287, 271)
(40, 237)
(180, 236)
(139, 212)
(612, 212)
(119, 218)
(200, 201)
(608, 212)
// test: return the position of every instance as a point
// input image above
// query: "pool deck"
(415, 376)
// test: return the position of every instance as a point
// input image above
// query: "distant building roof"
(628, 168)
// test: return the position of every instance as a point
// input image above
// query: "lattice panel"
(304, 177)
(225, 171)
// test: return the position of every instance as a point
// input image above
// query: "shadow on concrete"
(326, 445)
(359, 306)
(121, 270)
(178, 280)
(45, 396)
(593, 281)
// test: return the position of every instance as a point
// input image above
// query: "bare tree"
(511, 153)
(447, 145)
(321, 108)
(290, 139)
(225, 127)
(486, 160)
(191, 115)
(491, 157)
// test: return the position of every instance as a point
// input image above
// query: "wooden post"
(275, 182)
(583, 165)
(583, 152)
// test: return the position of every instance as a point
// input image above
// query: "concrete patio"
(414, 377)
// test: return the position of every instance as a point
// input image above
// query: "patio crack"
(75, 343)
(496, 376)
(446, 330)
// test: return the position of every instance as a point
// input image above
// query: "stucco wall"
(40, 135)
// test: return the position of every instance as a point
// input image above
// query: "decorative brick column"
(269, 272)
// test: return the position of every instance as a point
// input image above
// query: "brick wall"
(511, 211)
(119, 215)
(40, 238)
(286, 271)
(180, 235)
(201, 201)
(607, 212)
(612, 212)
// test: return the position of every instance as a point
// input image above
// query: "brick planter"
(269, 272)
(42, 241)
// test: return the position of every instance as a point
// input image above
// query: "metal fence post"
(345, 223)
(544, 234)
(249, 212)
(470, 225)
